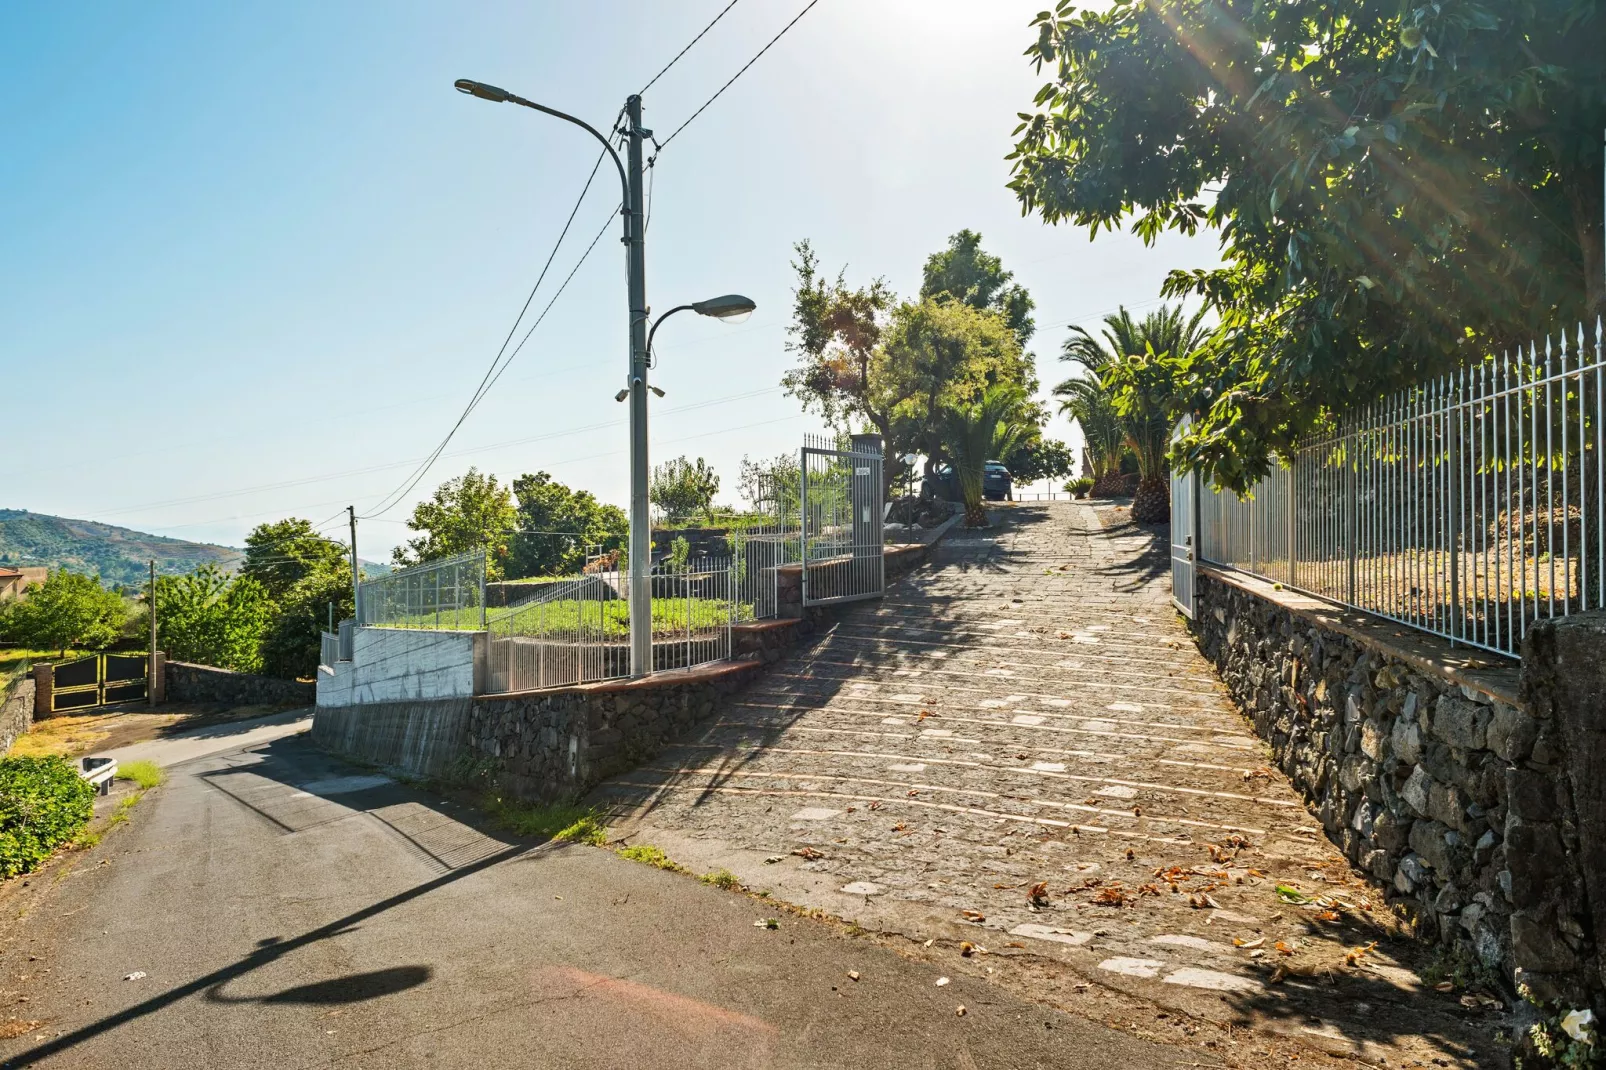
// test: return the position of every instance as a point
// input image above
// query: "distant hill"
(118, 555)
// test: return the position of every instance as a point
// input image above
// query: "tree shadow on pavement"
(296, 787)
(1144, 562)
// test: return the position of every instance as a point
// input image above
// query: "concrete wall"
(424, 738)
(397, 665)
(1428, 766)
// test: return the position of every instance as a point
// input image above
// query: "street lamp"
(636, 378)
(732, 308)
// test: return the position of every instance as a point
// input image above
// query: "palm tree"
(1129, 355)
(1104, 440)
(979, 432)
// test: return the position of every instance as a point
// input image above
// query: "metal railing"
(329, 654)
(577, 631)
(447, 594)
(843, 544)
(1469, 507)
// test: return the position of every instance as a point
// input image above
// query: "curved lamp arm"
(660, 319)
(502, 96)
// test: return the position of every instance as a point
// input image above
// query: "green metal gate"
(98, 680)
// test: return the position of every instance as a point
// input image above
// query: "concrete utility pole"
(150, 657)
(640, 518)
(356, 610)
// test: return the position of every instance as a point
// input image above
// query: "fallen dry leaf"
(16, 1028)
(967, 949)
(1353, 956)
(1038, 893)
(1248, 944)
(802, 852)
(960, 1010)
(1112, 896)
(973, 915)
(1015, 943)
(1329, 915)
(1284, 949)
(1444, 986)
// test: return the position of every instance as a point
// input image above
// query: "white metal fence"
(840, 500)
(448, 593)
(1470, 507)
(577, 631)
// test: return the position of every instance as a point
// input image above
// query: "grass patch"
(121, 813)
(146, 774)
(556, 821)
(1459, 965)
(723, 879)
(647, 854)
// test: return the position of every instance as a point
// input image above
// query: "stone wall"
(16, 710)
(203, 683)
(1424, 764)
(558, 744)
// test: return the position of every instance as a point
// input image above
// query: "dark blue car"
(997, 485)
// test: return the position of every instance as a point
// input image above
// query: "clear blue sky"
(254, 257)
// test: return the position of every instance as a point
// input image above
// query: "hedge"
(43, 804)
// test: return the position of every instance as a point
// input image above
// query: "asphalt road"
(275, 907)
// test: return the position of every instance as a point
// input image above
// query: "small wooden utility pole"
(150, 657)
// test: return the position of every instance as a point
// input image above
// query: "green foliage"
(472, 512)
(938, 354)
(647, 854)
(722, 879)
(1398, 187)
(683, 489)
(967, 273)
(546, 506)
(282, 554)
(292, 643)
(772, 486)
(835, 333)
(980, 431)
(556, 821)
(1039, 458)
(119, 556)
(69, 609)
(44, 803)
(146, 774)
(1080, 485)
(679, 553)
(211, 618)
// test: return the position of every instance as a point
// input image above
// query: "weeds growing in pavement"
(557, 821)
(647, 854)
(144, 773)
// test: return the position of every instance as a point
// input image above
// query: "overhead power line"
(665, 143)
(498, 364)
(687, 49)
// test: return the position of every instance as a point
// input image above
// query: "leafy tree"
(282, 554)
(770, 484)
(1039, 458)
(683, 488)
(211, 618)
(1398, 187)
(835, 333)
(292, 643)
(546, 506)
(68, 610)
(1132, 369)
(937, 354)
(979, 431)
(472, 512)
(967, 273)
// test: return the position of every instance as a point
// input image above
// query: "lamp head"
(481, 90)
(732, 308)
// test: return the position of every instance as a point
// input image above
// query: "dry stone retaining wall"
(1453, 796)
(203, 683)
(16, 711)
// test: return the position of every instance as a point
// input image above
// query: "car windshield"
(994, 469)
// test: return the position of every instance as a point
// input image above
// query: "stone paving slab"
(1020, 748)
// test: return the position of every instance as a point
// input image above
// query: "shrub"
(43, 804)
(1080, 486)
(144, 773)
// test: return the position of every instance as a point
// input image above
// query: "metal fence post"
(1453, 526)
(1352, 493)
(1293, 495)
(803, 520)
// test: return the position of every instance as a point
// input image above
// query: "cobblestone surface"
(1021, 748)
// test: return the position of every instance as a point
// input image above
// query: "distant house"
(14, 581)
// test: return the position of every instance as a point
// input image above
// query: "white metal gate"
(1184, 511)
(842, 542)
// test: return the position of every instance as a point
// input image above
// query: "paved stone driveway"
(1027, 714)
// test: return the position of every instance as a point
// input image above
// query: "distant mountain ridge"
(118, 555)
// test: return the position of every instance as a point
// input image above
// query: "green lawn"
(559, 617)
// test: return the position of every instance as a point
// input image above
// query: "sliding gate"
(98, 680)
(842, 520)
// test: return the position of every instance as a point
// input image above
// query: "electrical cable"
(685, 50)
(737, 75)
(494, 372)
